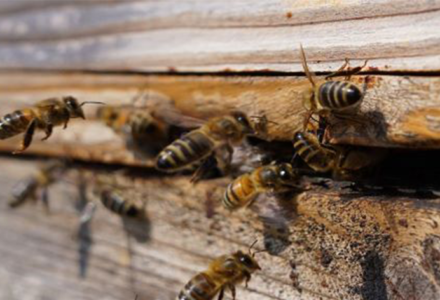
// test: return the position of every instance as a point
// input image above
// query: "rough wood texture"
(244, 35)
(398, 111)
(325, 244)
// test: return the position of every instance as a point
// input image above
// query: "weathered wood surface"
(398, 111)
(244, 35)
(325, 244)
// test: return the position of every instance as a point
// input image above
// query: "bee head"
(286, 173)
(243, 120)
(74, 108)
(247, 261)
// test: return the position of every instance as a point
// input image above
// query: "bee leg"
(27, 140)
(232, 289)
(206, 165)
(222, 293)
(65, 123)
(224, 158)
(307, 117)
(248, 278)
(48, 130)
(339, 71)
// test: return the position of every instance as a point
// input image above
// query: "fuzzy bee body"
(15, 123)
(318, 158)
(45, 115)
(345, 162)
(224, 272)
(144, 134)
(244, 189)
(181, 153)
(120, 205)
(202, 142)
(337, 96)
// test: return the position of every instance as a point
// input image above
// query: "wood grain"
(205, 36)
(323, 244)
(397, 111)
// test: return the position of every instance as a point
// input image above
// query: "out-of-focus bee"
(144, 133)
(27, 188)
(343, 161)
(271, 178)
(216, 136)
(44, 115)
(337, 97)
(118, 202)
(224, 272)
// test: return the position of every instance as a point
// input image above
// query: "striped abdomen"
(339, 95)
(240, 192)
(316, 157)
(117, 204)
(183, 152)
(200, 287)
(23, 190)
(14, 123)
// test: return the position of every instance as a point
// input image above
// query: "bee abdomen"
(185, 151)
(315, 157)
(13, 124)
(200, 287)
(239, 193)
(117, 204)
(339, 95)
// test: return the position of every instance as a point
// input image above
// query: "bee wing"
(310, 74)
(174, 117)
(48, 102)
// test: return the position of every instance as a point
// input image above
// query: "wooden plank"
(220, 35)
(398, 111)
(329, 244)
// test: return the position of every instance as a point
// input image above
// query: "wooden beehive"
(208, 58)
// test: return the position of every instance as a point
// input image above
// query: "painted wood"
(219, 35)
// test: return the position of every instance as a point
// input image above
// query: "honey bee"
(27, 188)
(337, 97)
(44, 115)
(223, 272)
(144, 133)
(217, 136)
(116, 201)
(270, 178)
(315, 155)
(344, 162)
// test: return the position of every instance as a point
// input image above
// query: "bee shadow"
(277, 212)
(84, 233)
(138, 228)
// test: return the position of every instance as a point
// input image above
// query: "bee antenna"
(91, 102)
(251, 246)
(263, 117)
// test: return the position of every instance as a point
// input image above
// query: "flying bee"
(44, 116)
(270, 178)
(216, 136)
(337, 97)
(144, 133)
(118, 202)
(223, 272)
(27, 188)
(343, 161)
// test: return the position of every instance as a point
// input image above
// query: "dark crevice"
(232, 73)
